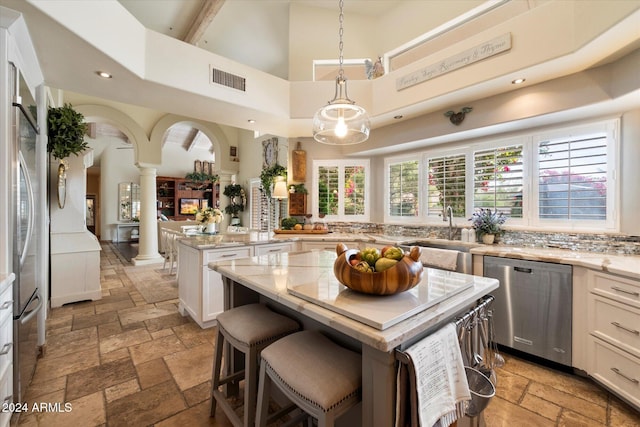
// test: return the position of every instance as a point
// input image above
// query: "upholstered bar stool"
(317, 375)
(249, 329)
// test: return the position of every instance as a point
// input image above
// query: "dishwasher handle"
(523, 269)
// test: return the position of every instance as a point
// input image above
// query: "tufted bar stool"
(249, 329)
(317, 375)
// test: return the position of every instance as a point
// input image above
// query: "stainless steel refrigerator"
(27, 236)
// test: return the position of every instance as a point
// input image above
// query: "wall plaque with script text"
(478, 53)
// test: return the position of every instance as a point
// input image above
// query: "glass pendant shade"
(341, 121)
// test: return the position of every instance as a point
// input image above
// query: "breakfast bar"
(302, 285)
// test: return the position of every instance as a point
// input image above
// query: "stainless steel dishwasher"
(532, 307)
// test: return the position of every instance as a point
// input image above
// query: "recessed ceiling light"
(251, 121)
(518, 81)
(398, 117)
(104, 74)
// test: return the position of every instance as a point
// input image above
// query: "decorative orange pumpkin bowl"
(404, 275)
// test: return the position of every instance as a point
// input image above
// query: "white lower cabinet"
(6, 395)
(616, 370)
(6, 348)
(327, 246)
(274, 248)
(613, 338)
(200, 289)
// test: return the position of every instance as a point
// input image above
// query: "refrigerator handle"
(27, 242)
(28, 315)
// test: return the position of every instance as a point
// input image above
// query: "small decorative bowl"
(403, 276)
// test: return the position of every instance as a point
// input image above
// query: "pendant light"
(341, 121)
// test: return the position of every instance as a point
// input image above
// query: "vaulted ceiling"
(255, 33)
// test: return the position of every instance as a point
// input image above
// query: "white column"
(148, 240)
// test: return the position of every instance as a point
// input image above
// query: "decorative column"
(148, 240)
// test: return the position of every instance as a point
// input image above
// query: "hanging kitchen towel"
(439, 258)
(440, 381)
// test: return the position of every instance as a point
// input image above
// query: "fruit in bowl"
(376, 272)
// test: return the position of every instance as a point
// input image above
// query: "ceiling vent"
(227, 79)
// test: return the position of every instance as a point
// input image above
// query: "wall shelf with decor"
(177, 198)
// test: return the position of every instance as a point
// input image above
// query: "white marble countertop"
(222, 240)
(271, 275)
(625, 265)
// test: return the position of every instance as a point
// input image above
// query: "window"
(563, 179)
(327, 70)
(341, 189)
(264, 215)
(403, 196)
(446, 185)
(498, 180)
(575, 177)
(259, 213)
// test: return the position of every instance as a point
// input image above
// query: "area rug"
(155, 284)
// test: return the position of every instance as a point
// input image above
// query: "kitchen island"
(287, 282)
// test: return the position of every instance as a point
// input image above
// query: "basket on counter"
(403, 276)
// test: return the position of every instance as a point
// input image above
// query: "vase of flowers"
(487, 224)
(209, 218)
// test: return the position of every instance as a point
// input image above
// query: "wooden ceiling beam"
(192, 139)
(210, 9)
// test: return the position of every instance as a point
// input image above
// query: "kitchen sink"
(464, 262)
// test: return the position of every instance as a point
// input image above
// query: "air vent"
(227, 79)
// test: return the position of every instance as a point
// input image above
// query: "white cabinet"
(613, 340)
(329, 246)
(273, 248)
(200, 290)
(6, 345)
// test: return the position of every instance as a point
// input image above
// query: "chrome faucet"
(448, 212)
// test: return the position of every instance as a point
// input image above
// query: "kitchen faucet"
(448, 212)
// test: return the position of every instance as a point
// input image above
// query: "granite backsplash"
(587, 242)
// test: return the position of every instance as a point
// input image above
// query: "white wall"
(630, 173)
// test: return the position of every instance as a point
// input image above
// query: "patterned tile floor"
(122, 361)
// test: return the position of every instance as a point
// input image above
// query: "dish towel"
(437, 390)
(439, 258)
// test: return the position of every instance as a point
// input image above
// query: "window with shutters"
(575, 176)
(561, 179)
(402, 178)
(264, 215)
(259, 213)
(446, 185)
(498, 180)
(341, 189)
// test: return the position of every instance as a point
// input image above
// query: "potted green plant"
(237, 196)
(65, 129)
(200, 180)
(268, 176)
(488, 224)
(298, 188)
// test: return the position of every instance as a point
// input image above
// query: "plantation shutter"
(403, 189)
(354, 185)
(447, 185)
(498, 180)
(572, 178)
(328, 189)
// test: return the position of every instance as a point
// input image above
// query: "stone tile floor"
(121, 361)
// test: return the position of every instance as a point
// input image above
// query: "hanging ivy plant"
(65, 130)
(268, 176)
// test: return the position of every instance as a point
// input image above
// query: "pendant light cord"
(341, 44)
